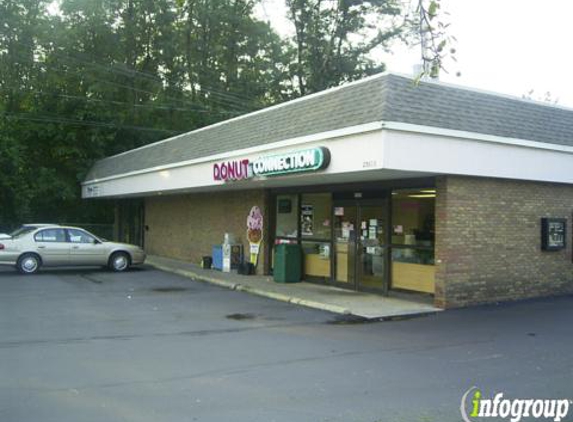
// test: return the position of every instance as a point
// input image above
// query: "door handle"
(75, 247)
(41, 247)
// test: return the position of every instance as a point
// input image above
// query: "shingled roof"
(386, 97)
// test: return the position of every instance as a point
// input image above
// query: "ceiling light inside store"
(428, 191)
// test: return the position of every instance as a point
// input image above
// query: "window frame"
(50, 241)
(94, 241)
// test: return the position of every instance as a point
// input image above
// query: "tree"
(232, 61)
(101, 77)
(333, 39)
(20, 24)
(428, 27)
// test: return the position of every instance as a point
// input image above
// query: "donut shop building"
(389, 187)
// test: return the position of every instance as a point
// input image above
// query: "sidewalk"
(326, 298)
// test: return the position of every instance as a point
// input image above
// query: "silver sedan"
(50, 245)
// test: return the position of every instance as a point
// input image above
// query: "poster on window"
(307, 220)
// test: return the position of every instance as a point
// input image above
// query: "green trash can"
(288, 263)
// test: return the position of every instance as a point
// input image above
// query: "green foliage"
(428, 27)
(99, 77)
(333, 39)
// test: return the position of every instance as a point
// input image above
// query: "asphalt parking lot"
(91, 345)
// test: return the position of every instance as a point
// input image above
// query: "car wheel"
(119, 261)
(29, 263)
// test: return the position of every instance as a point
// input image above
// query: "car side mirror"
(96, 242)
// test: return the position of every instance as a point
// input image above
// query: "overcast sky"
(507, 46)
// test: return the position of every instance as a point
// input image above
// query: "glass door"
(345, 219)
(360, 246)
(371, 248)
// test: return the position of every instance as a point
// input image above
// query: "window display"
(306, 220)
(315, 215)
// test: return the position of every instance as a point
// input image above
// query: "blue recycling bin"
(217, 254)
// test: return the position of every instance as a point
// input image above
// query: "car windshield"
(22, 231)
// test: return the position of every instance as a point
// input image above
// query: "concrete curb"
(195, 276)
(252, 290)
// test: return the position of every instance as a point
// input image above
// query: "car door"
(52, 246)
(85, 249)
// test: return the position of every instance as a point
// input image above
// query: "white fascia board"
(322, 136)
(352, 155)
(409, 150)
(460, 134)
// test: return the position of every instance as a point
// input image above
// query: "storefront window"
(413, 217)
(413, 237)
(315, 216)
(315, 223)
(287, 216)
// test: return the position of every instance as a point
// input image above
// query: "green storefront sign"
(312, 159)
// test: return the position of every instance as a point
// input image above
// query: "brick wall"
(186, 226)
(488, 240)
